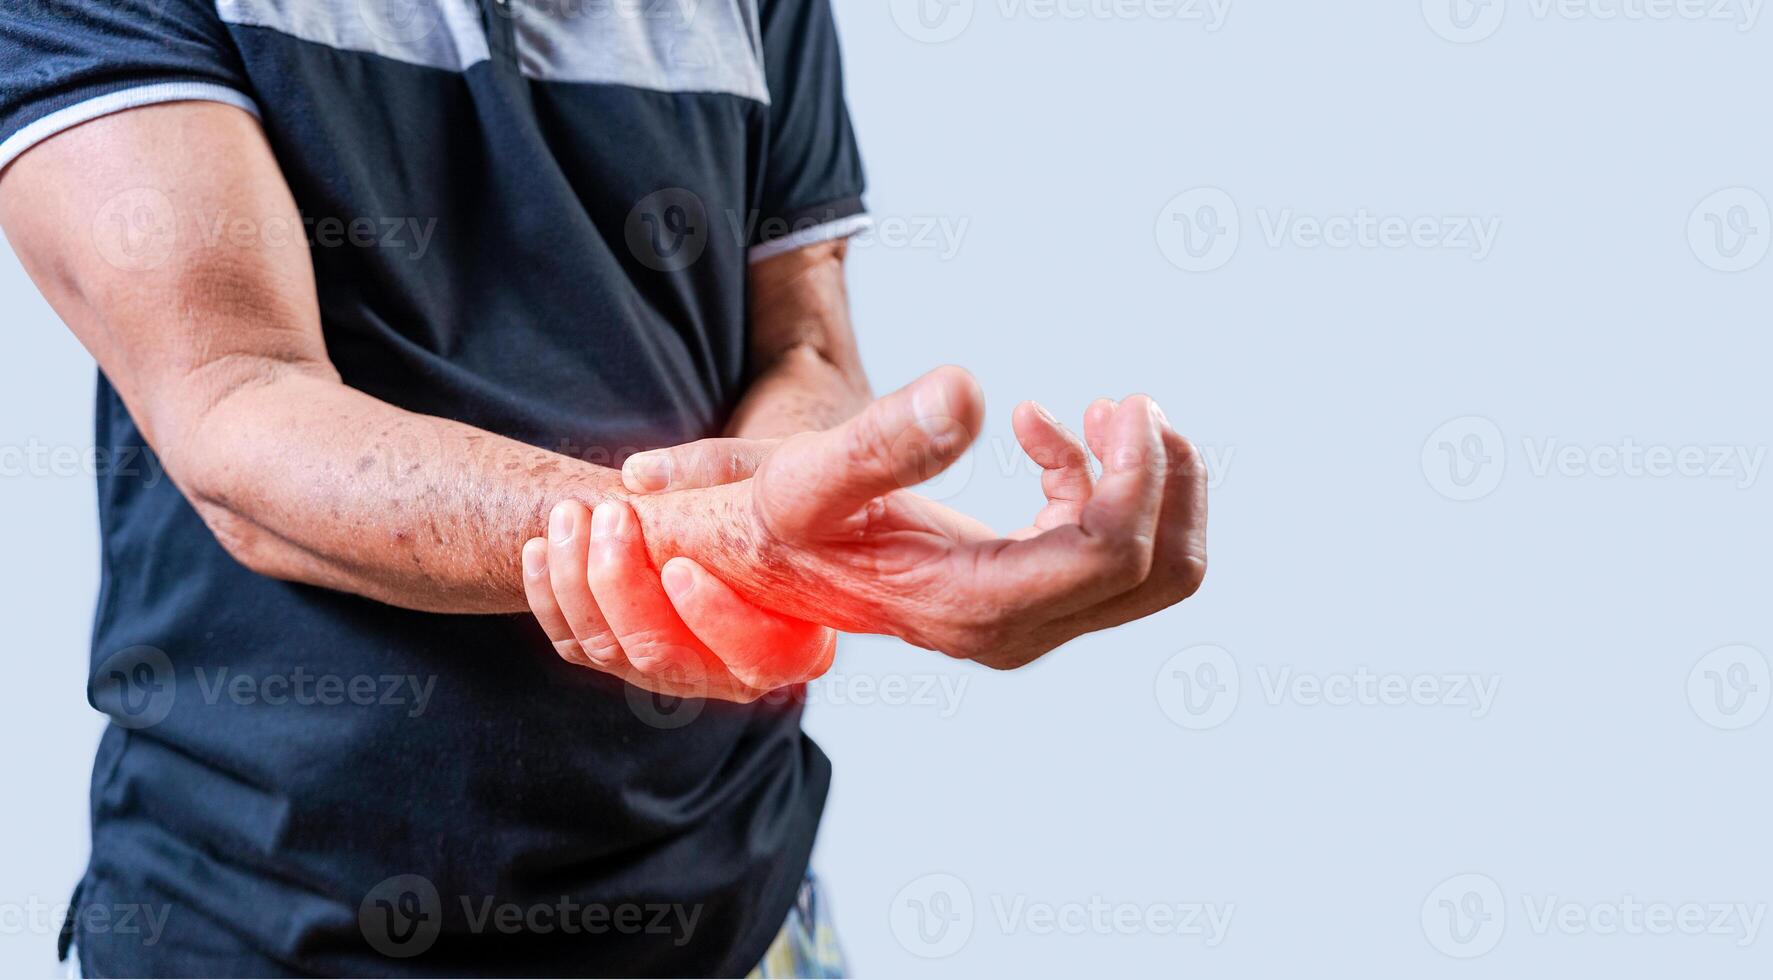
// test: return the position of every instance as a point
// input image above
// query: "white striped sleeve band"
(104, 105)
(854, 224)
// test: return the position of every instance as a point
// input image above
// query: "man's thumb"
(817, 479)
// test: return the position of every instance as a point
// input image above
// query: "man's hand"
(825, 531)
(679, 631)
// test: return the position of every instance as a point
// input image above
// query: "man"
(390, 289)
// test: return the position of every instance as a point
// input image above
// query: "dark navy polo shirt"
(535, 217)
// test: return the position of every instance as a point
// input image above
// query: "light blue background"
(1053, 148)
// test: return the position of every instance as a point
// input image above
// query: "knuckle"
(1184, 456)
(737, 465)
(657, 653)
(1181, 576)
(647, 642)
(1125, 560)
(868, 440)
(569, 651)
(762, 678)
(1193, 575)
(979, 643)
(756, 685)
(602, 651)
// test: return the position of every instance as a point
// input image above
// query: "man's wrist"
(712, 525)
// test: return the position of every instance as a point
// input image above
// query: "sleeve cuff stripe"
(841, 228)
(104, 105)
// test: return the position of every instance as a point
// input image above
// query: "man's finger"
(1096, 419)
(816, 482)
(648, 629)
(1111, 549)
(764, 649)
(703, 463)
(569, 540)
(1180, 563)
(540, 593)
(1065, 475)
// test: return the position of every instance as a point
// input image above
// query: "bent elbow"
(238, 534)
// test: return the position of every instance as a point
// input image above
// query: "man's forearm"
(800, 391)
(219, 355)
(303, 478)
(807, 373)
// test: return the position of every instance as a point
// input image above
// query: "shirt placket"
(500, 19)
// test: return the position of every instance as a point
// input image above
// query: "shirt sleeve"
(65, 62)
(812, 175)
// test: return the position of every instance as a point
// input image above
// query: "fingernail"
(929, 402)
(561, 523)
(1157, 412)
(606, 520)
(649, 471)
(678, 580)
(1042, 410)
(535, 561)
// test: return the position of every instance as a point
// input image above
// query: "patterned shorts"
(807, 945)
